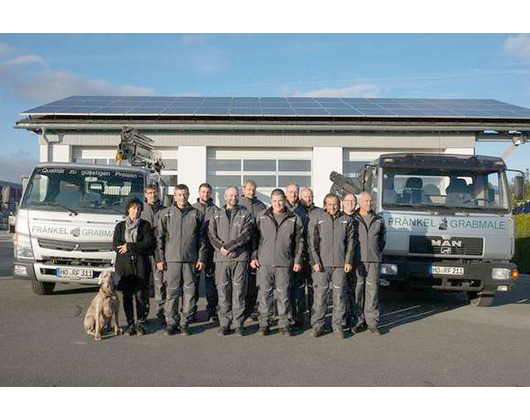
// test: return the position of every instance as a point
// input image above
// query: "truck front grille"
(75, 246)
(81, 262)
(436, 245)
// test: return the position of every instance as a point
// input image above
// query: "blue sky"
(39, 68)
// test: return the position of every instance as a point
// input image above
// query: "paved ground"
(434, 340)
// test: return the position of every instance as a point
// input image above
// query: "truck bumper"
(25, 270)
(477, 275)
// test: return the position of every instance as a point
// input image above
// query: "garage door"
(269, 168)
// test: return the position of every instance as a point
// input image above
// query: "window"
(269, 168)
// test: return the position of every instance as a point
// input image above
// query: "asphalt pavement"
(434, 339)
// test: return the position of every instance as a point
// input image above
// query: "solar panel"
(281, 106)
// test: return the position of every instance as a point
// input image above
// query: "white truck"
(66, 219)
(448, 219)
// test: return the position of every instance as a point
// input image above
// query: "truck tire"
(482, 300)
(42, 287)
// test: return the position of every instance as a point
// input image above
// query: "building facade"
(226, 149)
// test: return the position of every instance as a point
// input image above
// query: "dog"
(104, 308)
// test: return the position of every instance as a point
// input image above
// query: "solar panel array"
(279, 107)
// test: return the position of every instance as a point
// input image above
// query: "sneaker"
(214, 319)
(223, 331)
(172, 330)
(360, 328)
(263, 331)
(239, 332)
(286, 331)
(130, 330)
(140, 329)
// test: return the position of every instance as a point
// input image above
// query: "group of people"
(245, 251)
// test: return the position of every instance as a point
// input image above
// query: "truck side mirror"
(518, 187)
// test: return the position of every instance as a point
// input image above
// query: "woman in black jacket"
(134, 242)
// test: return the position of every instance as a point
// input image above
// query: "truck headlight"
(500, 273)
(23, 249)
(389, 269)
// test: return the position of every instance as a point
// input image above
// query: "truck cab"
(66, 219)
(448, 220)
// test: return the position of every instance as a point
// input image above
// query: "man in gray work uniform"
(280, 235)
(150, 214)
(230, 231)
(372, 239)
(206, 207)
(254, 205)
(181, 250)
(331, 250)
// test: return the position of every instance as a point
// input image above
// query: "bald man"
(372, 239)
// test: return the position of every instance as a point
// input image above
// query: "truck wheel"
(42, 287)
(476, 299)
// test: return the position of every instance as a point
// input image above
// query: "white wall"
(325, 160)
(192, 168)
(62, 153)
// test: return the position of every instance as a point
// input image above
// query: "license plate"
(452, 271)
(78, 273)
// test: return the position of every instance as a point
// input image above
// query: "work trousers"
(231, 281)
(160, 288)
(252, 293)
(367, 294)
(299, 302)
(268, 279)
(207, 277)
(330, 279)
(180, 281)
(351, 306)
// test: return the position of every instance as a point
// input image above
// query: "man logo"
(446, 243)
(445, 250)
(75, 232)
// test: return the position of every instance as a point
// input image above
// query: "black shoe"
(359, 328)
(172, 330)
(375, 330)
(239, 332)
(186, 330)
(161, 320)
(254, 317)
(286, 332)
(263, 331)
(192, 318)
(140, 329)
(214, 319)
(223, 331)
(130, 330)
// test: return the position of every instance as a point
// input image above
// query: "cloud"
(15, 165)
(359, 91)
(5, 49)
(50, 85)
(518, 46)
(23, 81)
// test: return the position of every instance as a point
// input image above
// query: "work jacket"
(254, 206)
(279, 244)
(372, 238)
(180, 235)
(331, 239)
(234, 234)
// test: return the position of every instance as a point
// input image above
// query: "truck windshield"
(439, 189)
(82, 189)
